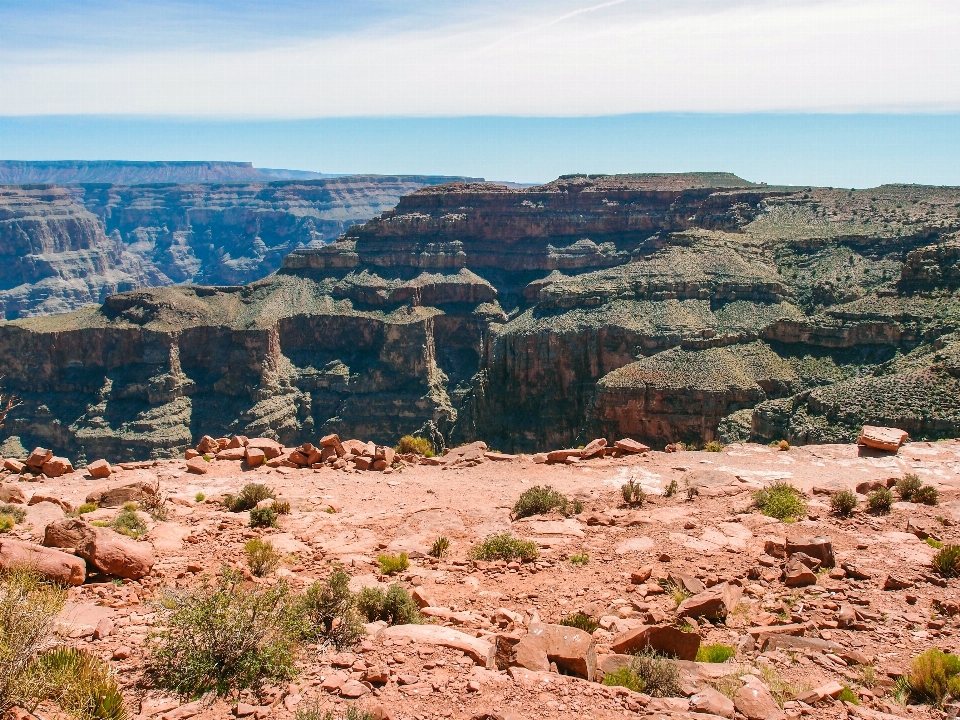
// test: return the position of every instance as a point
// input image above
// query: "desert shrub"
(692, 492)
(930, 676)
(312, 711)
(843, 503)
(581, 622)
(676, 592)
(394, 606)
(416, 445)
(581, 558)
(672, 488)
(907, 486)
(848, 695)
(632, 493)
(86, 508)
(28, 608)
(947, 560)
(249, 497)
(624, 677)
(18, 513)
(504, 546)
(7, 522)
(440, 547)
(263, 517)
(262, 559)
(392, 564)
(880, 500)
(128, 523)
(927, 495)
(713, 446)
(326, 613)
(80, 683)
(780, 500)
(154, 502)
(225, 638)
(715, 653)
(539, 500)
(933, 542)
(783, 445)
(281, 507)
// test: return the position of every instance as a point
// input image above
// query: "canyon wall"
(661, 307)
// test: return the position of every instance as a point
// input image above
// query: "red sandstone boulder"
(664, 639)
(559, 456)
(208, 446)
(755, 702)
(119, 495)
(716, 602)
(571, 649)
(385, 453)
(333, 441)
(882, 438)
(38, 457)
(255, 456)
(198, 465)
(43, 497)
(271, 448)
(54, 565)
(594, 447)
(631, 446)
(99, 469)
(108, 551)
(57, 466)
(10, 493)
(14, 466)
(232, 453)
(818, 547)
(796, 574)
(237, 441)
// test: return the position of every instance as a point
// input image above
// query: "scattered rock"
(665, 639)
(99, 469)
(882, 438)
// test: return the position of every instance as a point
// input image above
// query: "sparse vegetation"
(18, 513)
(326, 613)
(624, 677)
(780, 500)
(926, 495)
(505, 546)
(581, 622)
(80, 683)
(394, 606)
(262, 559)
(392, 564)
(713, 446)
(540, 500)
(677, 593)
(848, 695)
(263, 517)
(312, 711)
(225, 638)
(692, 491)
(650, 673)
(440, 547)
(154, 503)
(934, 543)
(128, 523)
(843, 503)
(7, 522)
(86, 508)
(580, 558)
(673, 487)
(632, 493)
(783, 445)
(947, 561)
(880, 501)
(281, 507)
(250, 496)
(933, 675)
(715, 653)
(199, 497)
(907, 486)
(415, 445)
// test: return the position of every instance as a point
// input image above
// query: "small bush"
(692, 492)
(632, 493)
(440, 547)
(28, 609)
(312, 711)
(780, 500)
(715, 653)
(263, 517)
(926, 495)
(128, 523)
(713, 446)
(879, 501)
(676, 592)
(581, 558)
(930, 676)
(415, 445)
(672, 488)
(18, 513)
(80, 683)
(907, 486)
(154, 502)
(281, 507)
(7, 522)
(394, 606)
(658, 675)
(326, 613)
(225, 638)
(250, 496)
(199, 497)
(783, 445)
(504, 546)
(934, 543)
(262, 559)
(542, 500)
(392, 564)
(624, 677)
(843, 503)
(848, 695)
(87, 508)
(581, 622)
(947, 561)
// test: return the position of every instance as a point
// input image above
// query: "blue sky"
(836, 92)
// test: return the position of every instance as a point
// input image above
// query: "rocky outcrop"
(661, 308)
(63, 247)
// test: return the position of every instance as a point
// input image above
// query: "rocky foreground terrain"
(669, 308)
(810, 608)
(69, 245)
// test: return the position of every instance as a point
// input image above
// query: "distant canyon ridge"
(664, 308)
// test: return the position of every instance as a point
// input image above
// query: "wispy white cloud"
(583, 58)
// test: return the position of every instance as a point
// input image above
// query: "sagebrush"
(504, 546)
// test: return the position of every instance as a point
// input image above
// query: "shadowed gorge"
(662, 307)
